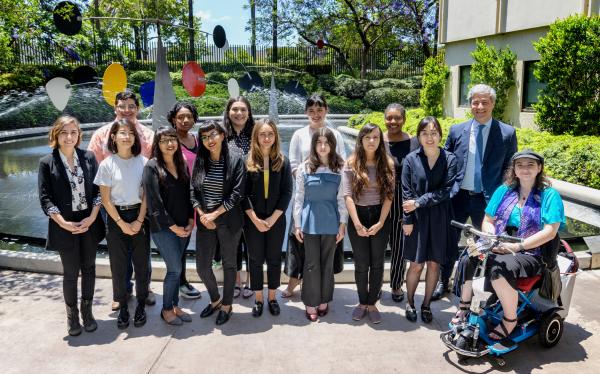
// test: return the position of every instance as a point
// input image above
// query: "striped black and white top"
(213, 185)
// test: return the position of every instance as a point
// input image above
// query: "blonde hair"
(254, 162)
(57, 127)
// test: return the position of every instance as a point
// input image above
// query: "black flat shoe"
(123, 319)
(397, 297)
(209, 310)
(274, 307)
(257, 309)
(440, 290)
(411, 313)
(139, 319)
(426, 315)
(223, 316)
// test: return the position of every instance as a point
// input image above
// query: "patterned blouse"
(240, 142)
(77, 183)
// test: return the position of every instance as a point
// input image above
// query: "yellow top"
(266, 180)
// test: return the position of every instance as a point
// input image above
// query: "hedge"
(378, 98)
(574, 159)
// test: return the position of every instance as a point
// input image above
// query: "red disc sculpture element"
(320, 44)
(193, 79)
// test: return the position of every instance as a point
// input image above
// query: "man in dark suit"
(483, 147)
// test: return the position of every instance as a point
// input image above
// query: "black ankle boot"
(123, 319)
(73, 320)
(139, 319)
(89, 322)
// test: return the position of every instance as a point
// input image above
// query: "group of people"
(233, 183)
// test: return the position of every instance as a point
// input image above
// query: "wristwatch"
(417, 204)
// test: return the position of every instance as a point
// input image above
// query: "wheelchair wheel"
(551, 329)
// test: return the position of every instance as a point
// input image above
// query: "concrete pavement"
(33, 337)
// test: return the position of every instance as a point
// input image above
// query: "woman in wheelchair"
(524, 206)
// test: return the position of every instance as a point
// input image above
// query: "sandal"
(461, 313)
(504, 333)
(247, 292)
(426, 315)
(237, 290)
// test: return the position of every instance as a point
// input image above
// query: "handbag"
(551, 285)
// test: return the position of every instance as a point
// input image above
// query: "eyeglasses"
(168, 141)
(123, 107)
(212, 136)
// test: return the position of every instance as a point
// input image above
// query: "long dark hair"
(384, 165)
(247, 130)
(335, 160)
(180, 164)
(203, 154)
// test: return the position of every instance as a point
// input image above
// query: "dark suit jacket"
(501, 145)
(280, 190)
(54, 190)
(233, 190)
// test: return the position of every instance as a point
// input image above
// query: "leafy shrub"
(435, 76)
(388, 82)
(343, 105)
(209, 105)
(399, 70)
(141, 76)
(352, 88)
(575, 159)
(216, 77)
(176, 77)
(496, 69)
(569, 61)
(379, 98)
(415, 81)
(326, 82)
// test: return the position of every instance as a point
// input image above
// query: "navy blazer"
(54, 190)
(501, 145)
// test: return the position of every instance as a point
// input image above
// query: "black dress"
(431, 235)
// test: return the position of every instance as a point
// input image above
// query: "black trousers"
(265, 246)
(465, 205)
(398, 264)
(242, 254)
(206, 245)
(318, 281)
(369, 254)
(118, 247)
(80, 257)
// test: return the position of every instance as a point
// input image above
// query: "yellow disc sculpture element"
(114, 81)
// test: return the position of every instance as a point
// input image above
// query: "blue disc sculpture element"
(67, 17)
(219, 36)
(147, 93)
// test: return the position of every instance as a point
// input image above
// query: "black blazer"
(280, 190)
(233, 191)
(54, 190)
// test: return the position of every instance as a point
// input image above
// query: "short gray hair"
(481, 89)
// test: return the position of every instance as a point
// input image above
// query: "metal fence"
(379, 63)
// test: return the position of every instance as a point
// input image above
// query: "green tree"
(435, 76)
(495, 68)
(569, 64)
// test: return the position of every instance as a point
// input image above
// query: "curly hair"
(541, 180)
(384, 165)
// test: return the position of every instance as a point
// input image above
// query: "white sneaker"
(189, 292)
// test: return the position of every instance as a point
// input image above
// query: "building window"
(465, 80)
(531, 85)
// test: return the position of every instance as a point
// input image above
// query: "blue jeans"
(171, 248)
